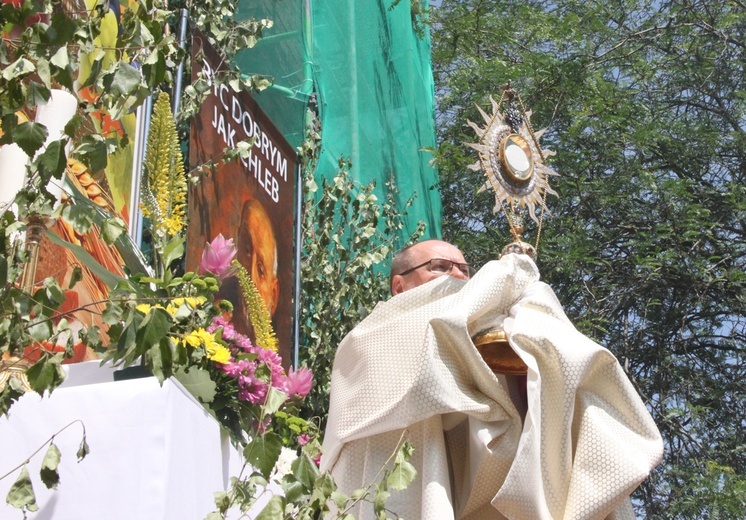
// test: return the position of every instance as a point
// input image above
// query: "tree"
(646, 108)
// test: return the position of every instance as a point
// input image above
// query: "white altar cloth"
(154, 452)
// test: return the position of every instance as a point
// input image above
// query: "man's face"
(421, 253)
(260, 247)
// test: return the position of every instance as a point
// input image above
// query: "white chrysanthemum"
(284, 463)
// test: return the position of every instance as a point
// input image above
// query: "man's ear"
(397, 284)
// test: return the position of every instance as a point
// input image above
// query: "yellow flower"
(200, 337)
(257, 309)
(192, 301)
(146, 307)
(164, 186)
(219, 354)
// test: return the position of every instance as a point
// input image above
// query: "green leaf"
(21, 493)
(38, 94)
(53, 291)
(75, 277)
(92, 152)
(274, 510)
(52, 161)
(41, 330)
(112, 229)
(161, 359)
(340, 500)
(275, 399)
(153, 328)
(126, 80)
(174, 250)
(198, 382)
(20, 67)
(263, 451)
(222, 500)
(30, 136)
(83, 449)
(401, 476)
(60, 58)
(46, 374)
(48, 473)
(380, 496)
(305, 470)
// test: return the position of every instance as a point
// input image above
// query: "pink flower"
(299, 382)
(317, 459)
(217, 257)
(304, 439)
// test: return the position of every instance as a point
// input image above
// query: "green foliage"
(21, 494)
(646, 245)
(343, 271)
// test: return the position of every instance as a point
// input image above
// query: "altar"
(155, 453)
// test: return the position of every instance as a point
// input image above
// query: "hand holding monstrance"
(513, 163)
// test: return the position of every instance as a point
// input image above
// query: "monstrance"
(513, 163)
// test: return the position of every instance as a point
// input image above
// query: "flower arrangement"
(170, 323)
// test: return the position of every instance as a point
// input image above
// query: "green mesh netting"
(372, 76)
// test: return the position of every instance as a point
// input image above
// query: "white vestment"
(587, 440)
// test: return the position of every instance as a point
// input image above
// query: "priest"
(574, 443)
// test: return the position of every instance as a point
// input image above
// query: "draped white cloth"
(587, 440)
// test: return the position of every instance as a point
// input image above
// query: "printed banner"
(250, 200)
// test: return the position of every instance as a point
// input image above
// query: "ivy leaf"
(53, 160)
(20, 67)
(262, 452)
(44, 73)
(30, 137)
(38, 94)
(92, 152)
(21, 493)
(48, 473)
(274, 510)
(60, 59)
(198, 383)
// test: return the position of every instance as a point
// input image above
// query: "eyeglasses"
(443, 266)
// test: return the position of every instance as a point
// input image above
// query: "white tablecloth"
(154, 452)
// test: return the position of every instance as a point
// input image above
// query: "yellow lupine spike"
(257, 309)
(164, 166)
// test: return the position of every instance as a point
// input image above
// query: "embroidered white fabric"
(587, 440)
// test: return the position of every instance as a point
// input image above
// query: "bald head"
(418, 254)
